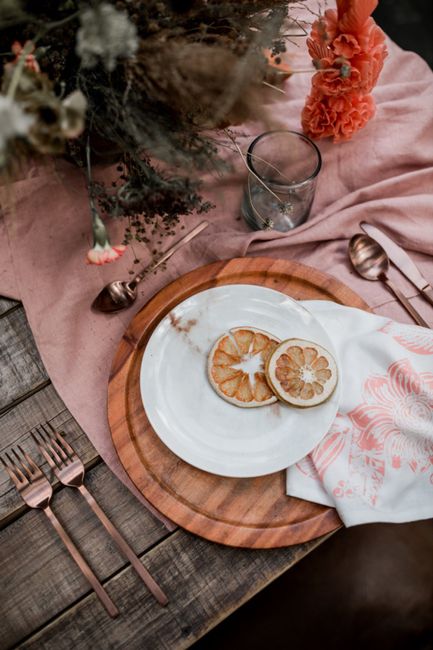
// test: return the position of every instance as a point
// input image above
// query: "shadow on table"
(368, 587)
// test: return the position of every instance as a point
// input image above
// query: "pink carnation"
(337, 117)
(30, 60)
(104, 254)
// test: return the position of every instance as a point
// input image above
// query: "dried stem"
(19, 67)
(249, 168)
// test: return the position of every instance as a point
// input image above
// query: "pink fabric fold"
(384, 176)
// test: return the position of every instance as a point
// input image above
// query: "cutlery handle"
(405, 302)
(428, 293)
(82, 564)
(124, 547)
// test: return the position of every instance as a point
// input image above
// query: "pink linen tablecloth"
(384, 175)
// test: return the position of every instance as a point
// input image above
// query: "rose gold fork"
(69, 469)
(35, 489)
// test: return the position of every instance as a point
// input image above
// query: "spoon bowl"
(115, 296)
(372, 263)
(368, 257)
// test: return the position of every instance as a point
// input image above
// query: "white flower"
(105, 34)
(72, 115)
(13, 122)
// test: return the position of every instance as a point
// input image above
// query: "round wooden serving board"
(254, 512)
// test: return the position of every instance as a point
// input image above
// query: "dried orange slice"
(302, 373)
(236, 366)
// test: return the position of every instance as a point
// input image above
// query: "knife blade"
(400, 259)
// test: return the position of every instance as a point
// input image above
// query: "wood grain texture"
(38, 578)
(44, 601)
(205, 582)
(254, 513)
(21, 368)
(14, 429)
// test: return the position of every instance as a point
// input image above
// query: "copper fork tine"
(69, 469)
(14, 472)
(31, 470)
(63, 443)
(35, 490)
(52, 452)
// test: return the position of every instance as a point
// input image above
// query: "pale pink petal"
(375, 424)
(427, 383)
(404, 380)
(328, 450)
(415, 451)
(307, 468)
(367, 471)
(414, 339)
(421, 343)
(377, 389)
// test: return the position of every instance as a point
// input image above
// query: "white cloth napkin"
(376, 462)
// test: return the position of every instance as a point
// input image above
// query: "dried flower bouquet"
(132, 81)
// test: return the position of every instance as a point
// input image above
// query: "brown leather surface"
(368, 587)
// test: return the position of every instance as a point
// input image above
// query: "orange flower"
(337, 117)
(325, 29)
(348, 49)
(354, 68)
(322, 55)
(333, 83)
(353, 14)
(104, 254)
(346, 45)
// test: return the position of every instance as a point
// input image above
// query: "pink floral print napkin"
(376, 462)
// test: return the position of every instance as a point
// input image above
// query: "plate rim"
(238, 474)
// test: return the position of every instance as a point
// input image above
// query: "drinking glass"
(283, 169)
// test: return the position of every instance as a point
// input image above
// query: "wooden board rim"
(126, 364)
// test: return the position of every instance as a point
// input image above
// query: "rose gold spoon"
(119, 295)
(372, 263)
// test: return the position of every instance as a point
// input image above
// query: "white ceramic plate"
(197, 424)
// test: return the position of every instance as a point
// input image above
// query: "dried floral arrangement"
(132, 82)
(148, 85)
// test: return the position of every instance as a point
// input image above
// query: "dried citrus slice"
(302, 373)
(236, 366)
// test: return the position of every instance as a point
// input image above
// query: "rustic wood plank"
(21, 368)
(248, 512)
(6, 304)
(38, 579)
(204, 581)
(14, 429)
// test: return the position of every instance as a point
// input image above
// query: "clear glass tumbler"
(283, 169)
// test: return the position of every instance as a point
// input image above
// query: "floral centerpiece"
(132, 82)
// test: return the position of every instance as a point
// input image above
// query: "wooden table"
(44, 600)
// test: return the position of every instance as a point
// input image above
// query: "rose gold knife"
(400, 259)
